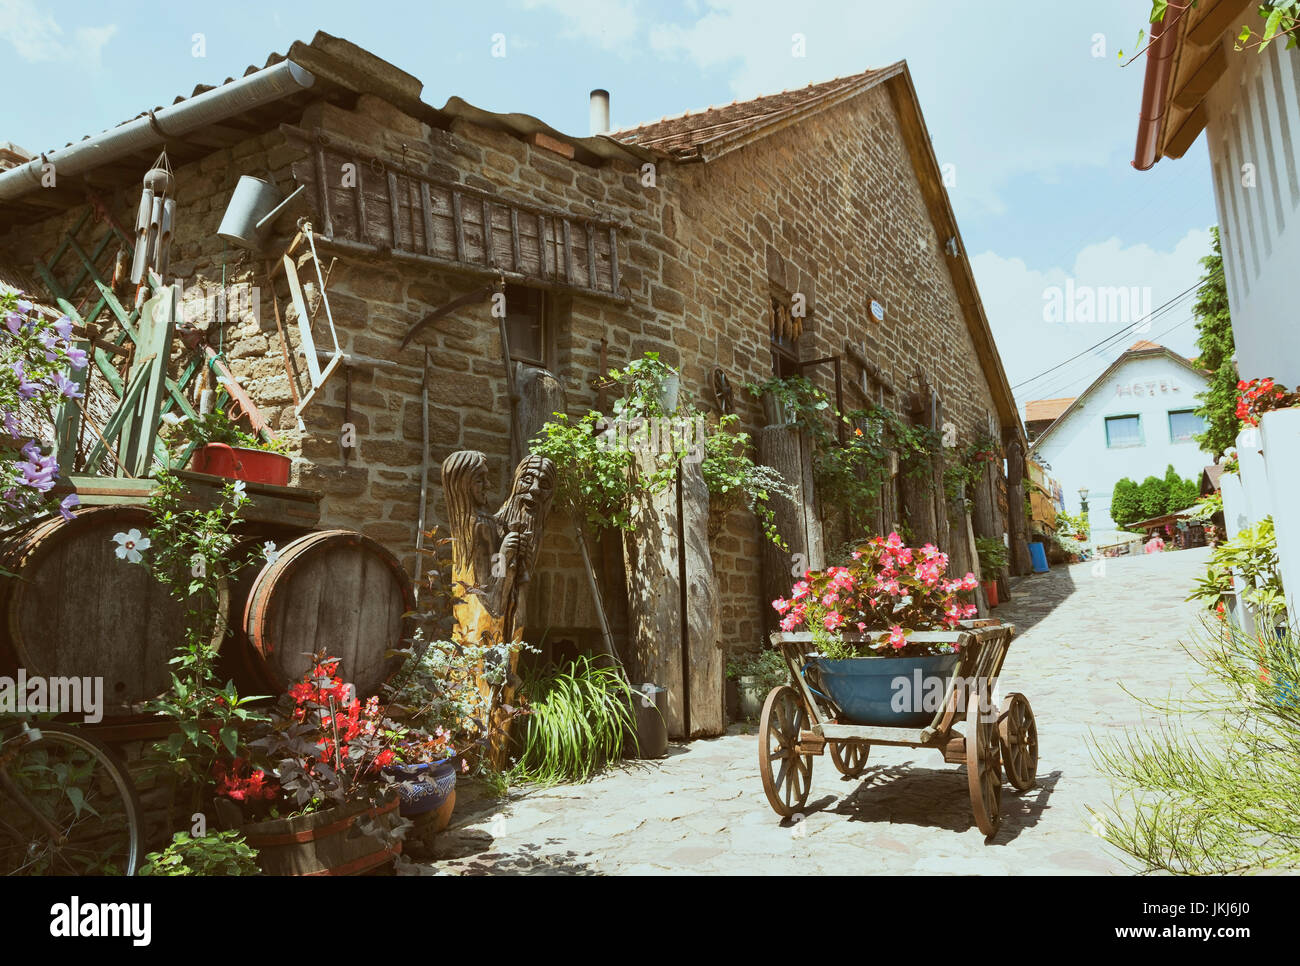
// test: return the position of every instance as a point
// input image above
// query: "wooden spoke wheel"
(982, 771)
(850, 757)
(786, 774)
(1018, 736)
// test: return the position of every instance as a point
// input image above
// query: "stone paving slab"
(1085, 633)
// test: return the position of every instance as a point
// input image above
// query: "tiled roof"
(688, 134)
(1141, 345)
(1039, 409)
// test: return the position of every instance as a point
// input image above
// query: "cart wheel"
(982, 771)
(850, 757)
(1018, 735)
(778, 734)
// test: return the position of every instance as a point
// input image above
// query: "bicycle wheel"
(67, 807)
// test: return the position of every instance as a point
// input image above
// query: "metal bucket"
(253, 206)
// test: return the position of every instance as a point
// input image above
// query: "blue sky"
(1039, 129)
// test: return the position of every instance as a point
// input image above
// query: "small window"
(526, 324)
(1184, 424)
(1123, 431)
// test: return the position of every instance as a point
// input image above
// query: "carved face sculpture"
(530, 494)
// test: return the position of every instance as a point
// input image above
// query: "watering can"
(253, 206)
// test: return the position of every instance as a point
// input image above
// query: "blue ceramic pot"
(892, 692)
(423, 787)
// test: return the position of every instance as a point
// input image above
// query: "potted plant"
(860, 617)
(226, 450)
(424, 774)
(992, 555)
(752, 676)
(321, 805)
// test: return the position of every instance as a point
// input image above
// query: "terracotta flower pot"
(991, 592)
(241, 463)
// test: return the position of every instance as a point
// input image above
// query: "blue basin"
(887, 691)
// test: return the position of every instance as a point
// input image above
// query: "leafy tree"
(1153, 497)
(1182, 492)
(1215, 345)
(1124, 507)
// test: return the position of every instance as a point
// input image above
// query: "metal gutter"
(1151, 116)
(154, 127)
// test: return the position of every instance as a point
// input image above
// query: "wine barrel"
(75, 609)
(336, 592)
(239, 661)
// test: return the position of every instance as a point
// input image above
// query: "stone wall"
(829, 207)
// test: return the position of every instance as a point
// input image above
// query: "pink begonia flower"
(781, 604)
(790, 622)
(833, 620)
(857, 554)
(896, 637)
(800, 590)
(969, 582)
(830, 600)
(861, 626)
(894, 541)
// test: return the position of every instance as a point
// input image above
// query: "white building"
(1247, 102)
(1135, 420)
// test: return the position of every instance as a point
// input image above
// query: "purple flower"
(38, 477)
(14, 322)
(65, 508)
(11, 424)
(23, 306)
(77, 357)
(66, 386)
(64, 328)
(32, 451)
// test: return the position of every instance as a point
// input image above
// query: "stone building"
(681, 236)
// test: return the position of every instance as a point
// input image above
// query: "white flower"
(271, 552)
(240, 495)
(130, 544)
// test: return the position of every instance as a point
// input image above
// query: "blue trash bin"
(1038, 557)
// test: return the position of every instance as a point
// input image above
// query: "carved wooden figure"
(493, 555)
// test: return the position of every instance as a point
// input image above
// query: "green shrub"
(1124, 504)
(992, 554)
(1215, 788)
(216, 853)
(578, 717)
(767, 665)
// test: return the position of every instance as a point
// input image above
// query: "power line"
(1128, 329)
(1092, 376)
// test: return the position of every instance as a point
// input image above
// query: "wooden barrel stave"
(77, 610)
(332, 591)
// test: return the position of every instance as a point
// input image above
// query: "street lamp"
(1083, 511)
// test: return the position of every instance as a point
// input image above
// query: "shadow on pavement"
(1035, 596)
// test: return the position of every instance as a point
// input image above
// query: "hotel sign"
(1150, 387)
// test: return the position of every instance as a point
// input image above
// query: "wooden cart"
(798, 722)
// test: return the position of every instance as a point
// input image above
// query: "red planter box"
(238, 463)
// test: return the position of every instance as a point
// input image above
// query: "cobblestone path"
(1085, 630)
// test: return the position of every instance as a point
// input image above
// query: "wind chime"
(153, 224)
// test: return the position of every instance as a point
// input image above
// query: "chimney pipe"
(599, 111)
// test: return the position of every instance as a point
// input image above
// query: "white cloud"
(1015, 296)
(606, 23)
(38, 38)
(970, 75)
